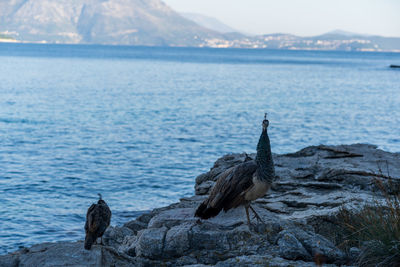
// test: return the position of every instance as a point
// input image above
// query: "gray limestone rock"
(135, 226)
(290, 248)
(66, 254)
(298, 214)
(320, 247)
(9, 260)
(177, 240)
(150, 243)
(114, 236)
(316, 181)
(262, 261)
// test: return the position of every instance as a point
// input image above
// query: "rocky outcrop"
(317, 180)
(298, 218)
(65, 254)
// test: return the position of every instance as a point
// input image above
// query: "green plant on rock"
(375, 229)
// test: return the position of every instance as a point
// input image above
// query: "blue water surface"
(138, 124)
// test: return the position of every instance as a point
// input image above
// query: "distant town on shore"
(153, 23)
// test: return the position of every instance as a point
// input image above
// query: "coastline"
(299, 212)
(305, 49)
(6, 40)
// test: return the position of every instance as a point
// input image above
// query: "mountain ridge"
(152, 23)
(133, 22)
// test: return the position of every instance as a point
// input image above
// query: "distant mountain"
(153, 23)
(344, 33)
(133, 22)
(208, 22)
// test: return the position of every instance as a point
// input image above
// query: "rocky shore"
(299, 215)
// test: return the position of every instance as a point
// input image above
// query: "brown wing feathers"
(211, 206)
(97, 220)
(241, 183)
(229, 190)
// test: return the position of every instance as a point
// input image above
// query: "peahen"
(98, 219)
(243, 183)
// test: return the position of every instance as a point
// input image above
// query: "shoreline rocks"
(299, 214)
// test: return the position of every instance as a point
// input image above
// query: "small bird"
(243, 183)
(98, 219)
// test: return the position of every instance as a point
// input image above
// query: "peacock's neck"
(266, 170)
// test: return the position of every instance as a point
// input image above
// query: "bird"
(243, 183)
(98, 218)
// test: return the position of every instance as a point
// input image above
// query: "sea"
(138, 124)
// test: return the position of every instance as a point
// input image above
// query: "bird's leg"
(101, 241)
(255, 214)
(246, 207)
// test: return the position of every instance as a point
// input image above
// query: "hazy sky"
(301, 17)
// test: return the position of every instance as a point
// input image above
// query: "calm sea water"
(139, 124)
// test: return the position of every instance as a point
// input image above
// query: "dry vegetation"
(374, 229)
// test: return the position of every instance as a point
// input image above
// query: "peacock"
(242, 183)
(98, 218)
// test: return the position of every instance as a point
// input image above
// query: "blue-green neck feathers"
(266, 170)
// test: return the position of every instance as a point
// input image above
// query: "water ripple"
(138, 127)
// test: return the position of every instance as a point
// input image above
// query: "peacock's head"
(265, 122)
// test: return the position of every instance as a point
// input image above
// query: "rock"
(315, 181)
(10, 260)
(170, 218)
(320, 248)
(298, 213)
(196, 265)
(177, 240)
(49, 254)
(290, 248)
(115, 236)
(66, 254)
(257, 260)
(150, 242)
(188, 261)
(129, 245)
(135, 226)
